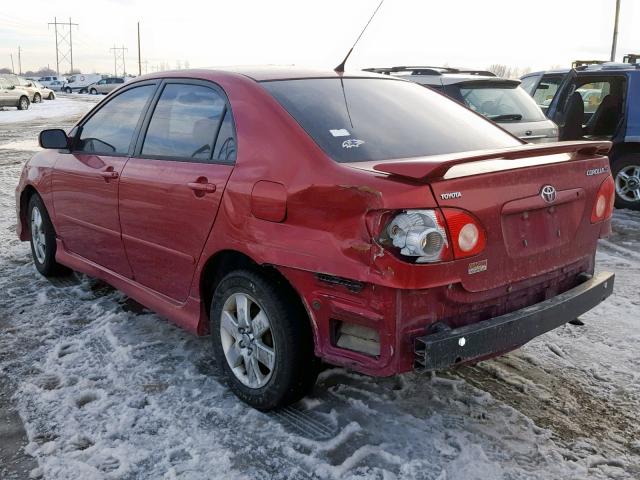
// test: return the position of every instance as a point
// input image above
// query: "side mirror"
(54, 138)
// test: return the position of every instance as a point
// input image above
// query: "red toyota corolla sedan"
(304, 215)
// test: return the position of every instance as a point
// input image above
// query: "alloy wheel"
(37, 235)
(628, 183)
(247, 340)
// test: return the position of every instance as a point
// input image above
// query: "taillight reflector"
(603, 206)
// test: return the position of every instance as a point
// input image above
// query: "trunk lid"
(528, 233)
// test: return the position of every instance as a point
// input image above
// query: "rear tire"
(37, 98)
(52, 96)
(23, 103)
(626, 175)
(270, 346)
(43, 239)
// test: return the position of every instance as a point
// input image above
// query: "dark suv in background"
(597, 102)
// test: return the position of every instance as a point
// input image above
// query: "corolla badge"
(548, 193)
(352, 142)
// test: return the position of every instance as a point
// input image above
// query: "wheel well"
(25, 196)
(623, 149)
(226, 261)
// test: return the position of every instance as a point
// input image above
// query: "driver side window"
(110, 130)
(185, 123)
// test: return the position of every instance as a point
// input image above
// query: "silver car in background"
(501, 100)
(106, 85)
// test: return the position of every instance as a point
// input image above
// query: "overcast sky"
(471, 33)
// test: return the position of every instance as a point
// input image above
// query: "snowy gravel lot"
(107, 389)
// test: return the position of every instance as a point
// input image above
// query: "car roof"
(604, 67)
(263, 73)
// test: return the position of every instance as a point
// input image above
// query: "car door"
(170, 190)
(85, 180)
(558, 107)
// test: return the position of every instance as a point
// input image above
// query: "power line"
(64, 43)
(118, 60)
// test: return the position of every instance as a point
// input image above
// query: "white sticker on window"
(352, 143)
(340, 132)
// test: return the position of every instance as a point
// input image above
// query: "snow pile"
(48, 109)
(109, 390)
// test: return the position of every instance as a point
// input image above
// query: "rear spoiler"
(436, 166)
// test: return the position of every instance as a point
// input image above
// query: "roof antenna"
(340, 68)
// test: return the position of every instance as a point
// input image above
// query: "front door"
(171, 190)
(85, 180)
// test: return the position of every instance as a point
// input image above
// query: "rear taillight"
(468, 237)
(421, 234)
(434, 235)
(603, 206)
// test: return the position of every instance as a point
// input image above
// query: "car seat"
(573, 119)
(605, 119)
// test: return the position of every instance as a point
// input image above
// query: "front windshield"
(365, 119)
(501, 103)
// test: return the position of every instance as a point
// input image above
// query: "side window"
(546, 90)
(225, 150)
(592, 94)
(110, 130)
(184, 123)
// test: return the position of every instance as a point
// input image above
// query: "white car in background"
(51, 79)
(46, 92)
(80, 82)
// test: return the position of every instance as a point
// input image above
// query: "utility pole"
(13, 70)
(64, 42)
(118, 57)
(19, 61)
(139, 58)
(615, 32)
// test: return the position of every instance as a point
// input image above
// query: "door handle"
(202, 187)
(109, 174)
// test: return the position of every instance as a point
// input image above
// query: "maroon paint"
(292, 207)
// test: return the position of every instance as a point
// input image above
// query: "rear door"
(171, 190)
(85, 180)
(558, 105)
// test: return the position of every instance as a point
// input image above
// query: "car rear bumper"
(501, 334)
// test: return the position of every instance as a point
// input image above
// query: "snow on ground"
(107, 389)
(63, 105)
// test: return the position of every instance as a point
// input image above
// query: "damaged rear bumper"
(487, 338)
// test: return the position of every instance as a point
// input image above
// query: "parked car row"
(597, 102)
(92, 83)
(20, 92)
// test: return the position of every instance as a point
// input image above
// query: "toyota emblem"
(548, 193)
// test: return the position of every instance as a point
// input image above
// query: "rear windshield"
(501, 104)
(367, 119)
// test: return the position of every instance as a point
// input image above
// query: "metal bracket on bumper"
(500, 334)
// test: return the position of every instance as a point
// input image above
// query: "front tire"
(43, 239)
(67, 90)
(93, 91)
(262, 340)
(23, 103)
(626, 174)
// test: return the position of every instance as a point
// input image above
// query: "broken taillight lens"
(421, 234)
(603, 206)
(435, 235)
